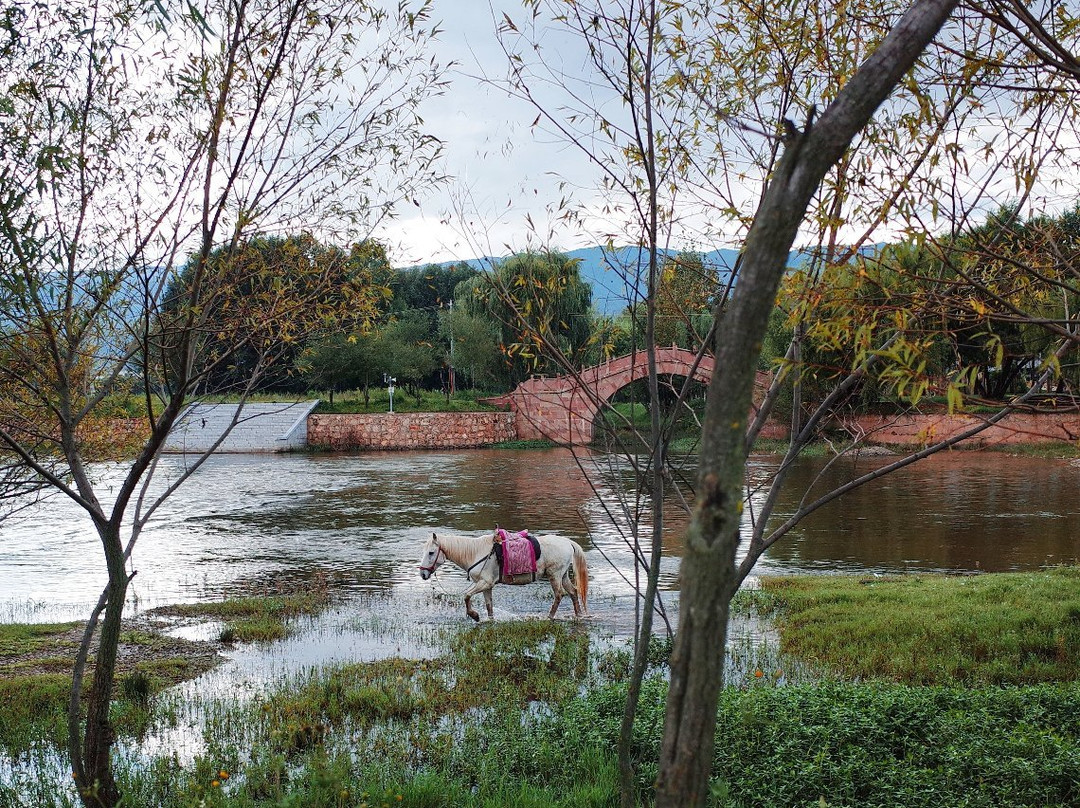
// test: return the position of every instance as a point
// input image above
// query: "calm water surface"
(264, 522)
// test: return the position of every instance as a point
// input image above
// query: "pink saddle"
(518, 553)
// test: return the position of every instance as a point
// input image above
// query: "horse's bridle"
(434, 563)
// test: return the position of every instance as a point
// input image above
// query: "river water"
(264, 522)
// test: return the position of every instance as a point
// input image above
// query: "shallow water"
(268, 523)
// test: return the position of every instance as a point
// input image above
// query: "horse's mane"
(463, 549)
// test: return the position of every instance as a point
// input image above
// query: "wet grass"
(526, 713)
(32, 709)
(35, 680)
(36, 662)
(471, 727)
(25, 638)
(506, 665)
(254, 618)
(1000, 629)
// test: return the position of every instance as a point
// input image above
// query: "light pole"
(390, 388)
(451, 346)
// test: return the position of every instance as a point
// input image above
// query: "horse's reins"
(435, 563)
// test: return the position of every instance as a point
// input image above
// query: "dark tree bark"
(97, 786)
(708, 575)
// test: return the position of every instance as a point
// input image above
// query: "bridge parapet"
(563, 408)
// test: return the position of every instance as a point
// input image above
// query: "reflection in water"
(263, 522)
(952, 511)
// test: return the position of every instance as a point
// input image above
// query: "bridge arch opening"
(564, 408)
(627, 410)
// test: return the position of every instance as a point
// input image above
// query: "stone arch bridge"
(563, 409)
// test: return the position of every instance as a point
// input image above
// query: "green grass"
(255, 618)
(870, 745)
(508, 664)
(429, 401)
(1047, 451)
(525, 444)
(474, 726)
(526, 713)
(23, 638)
(32, 707)
(627, 415)
(1000, 629)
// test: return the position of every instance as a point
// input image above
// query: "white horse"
(561, 561)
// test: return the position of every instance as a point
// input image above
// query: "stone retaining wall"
(925, 429)
(414, 430)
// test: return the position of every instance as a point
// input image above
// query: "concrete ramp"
(260, 427)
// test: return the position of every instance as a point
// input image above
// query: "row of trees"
(962, 345)
(418, 324)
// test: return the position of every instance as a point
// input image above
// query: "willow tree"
(713, 133)
(142, 138)
(823, 146)
(540, 305)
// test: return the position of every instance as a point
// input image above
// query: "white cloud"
(503, 173)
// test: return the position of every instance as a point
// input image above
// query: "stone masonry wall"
(419, 430)
(926, 429)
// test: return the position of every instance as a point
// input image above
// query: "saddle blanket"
(517, 553)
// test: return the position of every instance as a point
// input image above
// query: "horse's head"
(431, 558)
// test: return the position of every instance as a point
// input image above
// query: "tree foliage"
(407, 348)
(540, 305)
(269, 294)
(142, 138)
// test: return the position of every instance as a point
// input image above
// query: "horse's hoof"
(475, 616)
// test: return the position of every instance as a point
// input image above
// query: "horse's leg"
(555, 605)
(487, 602)
(558, 591)
(469, 610)
(571, 589)
(472, 590)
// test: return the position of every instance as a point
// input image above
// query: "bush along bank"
(872, 745)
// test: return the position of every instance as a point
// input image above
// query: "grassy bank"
(463, 728)
(36, 661)
(1056, 450)
(378, 401)
(926, 691)
(1001, 629)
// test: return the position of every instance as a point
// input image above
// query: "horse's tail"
(581, 576)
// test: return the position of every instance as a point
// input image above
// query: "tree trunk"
(94, 776)
(708, 564)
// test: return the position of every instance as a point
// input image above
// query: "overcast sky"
(505, 175)
(502, 169)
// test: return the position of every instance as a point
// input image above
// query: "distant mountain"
(618, 275)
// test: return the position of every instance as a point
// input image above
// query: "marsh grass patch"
(996, 629)
(253, 618)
